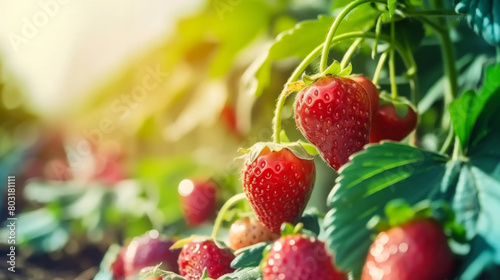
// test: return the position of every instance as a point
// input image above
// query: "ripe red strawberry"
(297, 257)
(198, 255)
(415, 250)
(333, 113)
(117, 267)
(247, 232)
(388, 125)
(149, 250)
(371, 90)
(198, 200)
(229, 119)
(278, 185)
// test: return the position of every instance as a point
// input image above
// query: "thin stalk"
(450, 72)
(447, 142)
(348, 54)
(229, 203)
(392, 66)
(285, 92)
(457, 149)
(334, 27)
(379, 68)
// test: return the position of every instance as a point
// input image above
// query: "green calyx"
(155, 272)
(335, 69)
(205, 276)
(194, 238)
(289, 229)
(401, 104)
(399, 212)
(297, 148)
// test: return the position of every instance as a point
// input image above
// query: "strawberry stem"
(220, 216)
(380, 66)
(350, 52)
(450, 72)
(335, 25)
(286, 91)
(392, 66)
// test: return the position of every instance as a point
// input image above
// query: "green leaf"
(247, 273)
(473, 113)
(479, 262)
(477, 204)
(391, 5)
(300, 41)
(249, 256)
(483, 17)
(227, 26)
(373, 178)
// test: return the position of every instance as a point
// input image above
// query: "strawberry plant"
(370, 139)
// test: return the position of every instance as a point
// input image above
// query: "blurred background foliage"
(106, 167)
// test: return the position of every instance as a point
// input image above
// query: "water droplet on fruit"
(403, 247)
(186, 187)
(393, 249)
(383, 238)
